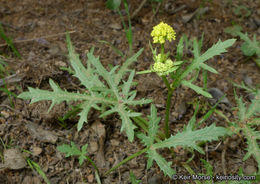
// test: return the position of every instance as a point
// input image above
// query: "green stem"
(141, 122)
(126, 160)
(92, 163)
(162, 53)
(166, 82)
(167, 113)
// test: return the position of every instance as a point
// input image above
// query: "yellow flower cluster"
(162, 32)
(162, 68)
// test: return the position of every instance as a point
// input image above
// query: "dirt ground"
(38, 29)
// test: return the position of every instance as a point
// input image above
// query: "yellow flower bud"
(162, 32)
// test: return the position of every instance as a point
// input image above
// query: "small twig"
(8, 25)
(177, 9)
(32, 39)
(11, 79)
(156, 11)
(138, 9)
(223, 154)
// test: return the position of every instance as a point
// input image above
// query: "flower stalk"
(163, 65)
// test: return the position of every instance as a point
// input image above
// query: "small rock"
(114, 142)
(90, 178)
(41, 134)
(155, 180)
(31, 180)
(234, 144)
(115, 26)
(250, 169)
(36, 151)
(251, 96)
(14, 159)
(247, 80)
(99, 129)
(54, 50)
(93, 146)
(6, 114)
(181, 110)
(42, 41)
(60, 64)
(217, 95)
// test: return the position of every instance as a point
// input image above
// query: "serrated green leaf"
(241, 107)
(176, 63)
(217, 49)
(108, 112)
(198, 89)
(86, 106)
(124, 68)
(153, 124)
(149, 163)
(208, 166)
(196, 51)
(127, 85)
(127, 123)
(189, 138)
(161, 162)
(249, 47)
(86, 77)
(72, 150)
(69, 150)
(134, 114)
(233, 30)
(138, 102)
(133, 178)
(254, 107)
(116, 50)
(207, 67)
(192, 121)
(180, 49)
(144, 139)
(253, 146)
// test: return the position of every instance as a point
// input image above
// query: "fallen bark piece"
(41, 134)
(14, 159)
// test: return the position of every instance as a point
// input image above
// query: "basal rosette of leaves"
(113, 95)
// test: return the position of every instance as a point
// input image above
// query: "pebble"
(249, 170)
(14, 159)
(36, 151)
(155, 180)
(217, 94)
(115, 26)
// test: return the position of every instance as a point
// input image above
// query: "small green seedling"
(34, 166)
(249, 47)
(246, 122)
(72, 150)
(115, 5)
(133, 179)
(242, 11)
(9, 41)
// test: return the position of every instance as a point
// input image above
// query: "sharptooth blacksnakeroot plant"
(115, 93)
(164, 66)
